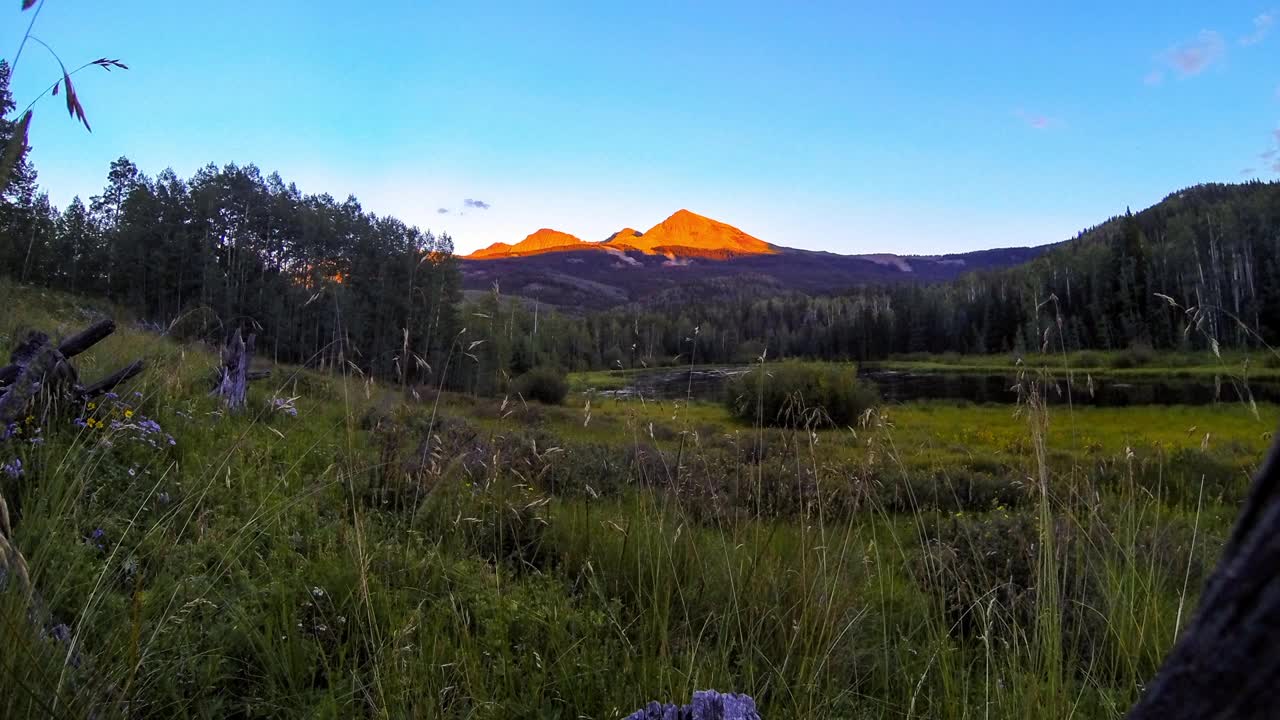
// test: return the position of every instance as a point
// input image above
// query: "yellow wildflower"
(128, 414)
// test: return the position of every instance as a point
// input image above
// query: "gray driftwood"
(39, 368)
(234, 376)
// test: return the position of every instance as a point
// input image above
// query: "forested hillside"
(1211, 248)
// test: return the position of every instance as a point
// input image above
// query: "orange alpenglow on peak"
(625, 237)
(542, 241)
(684, 234)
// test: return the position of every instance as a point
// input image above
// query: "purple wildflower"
(80, 423)
(60, 632)
(13, 469)
(706, 705)
(112, 396)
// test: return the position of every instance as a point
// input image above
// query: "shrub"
(1089, 359)
(543, 384)
(1136, 356)
(798, 394)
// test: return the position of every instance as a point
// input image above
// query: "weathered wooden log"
(109, 383)
(37, 367)
(1226, 664)
(86, 338)
(35, 359)
(233, 380)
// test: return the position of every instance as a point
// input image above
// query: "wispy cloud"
(1153, 78)
(1276, 133)
(442, 211)
(1036, 120)
(1267, 155)
(1249, 171)
(1261, 28)
(1192, 58)
(478, 204)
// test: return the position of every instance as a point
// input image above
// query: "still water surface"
(905, 386)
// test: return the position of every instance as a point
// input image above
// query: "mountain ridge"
(683, 234)
(686, 250)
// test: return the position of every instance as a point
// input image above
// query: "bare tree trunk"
(1227, 662)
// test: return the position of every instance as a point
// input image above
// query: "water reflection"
(906, 386)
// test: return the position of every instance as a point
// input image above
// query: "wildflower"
(13, 469)
(112, 396)
(163, 498)
(133, 472)
(93, 406)
(60, 633)
(80, 422)
(128, 414)
(707, 704)
(30, 419)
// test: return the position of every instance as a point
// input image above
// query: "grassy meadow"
(349, 549)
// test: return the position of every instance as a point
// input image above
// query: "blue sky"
(851, 127)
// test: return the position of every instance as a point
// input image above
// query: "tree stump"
(234, 376)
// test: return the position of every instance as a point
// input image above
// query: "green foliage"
(795, 394)
(543, 384)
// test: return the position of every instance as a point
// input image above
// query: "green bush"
(543, 384)
(1136, 356)
(797, 394)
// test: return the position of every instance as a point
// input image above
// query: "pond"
(905, 386)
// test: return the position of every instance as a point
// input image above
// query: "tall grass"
(381, 556)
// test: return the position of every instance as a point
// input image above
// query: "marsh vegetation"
(456, 556)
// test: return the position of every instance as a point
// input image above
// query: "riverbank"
(1137, 364)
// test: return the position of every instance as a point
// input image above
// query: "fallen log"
(109, 383)
(38, 368)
